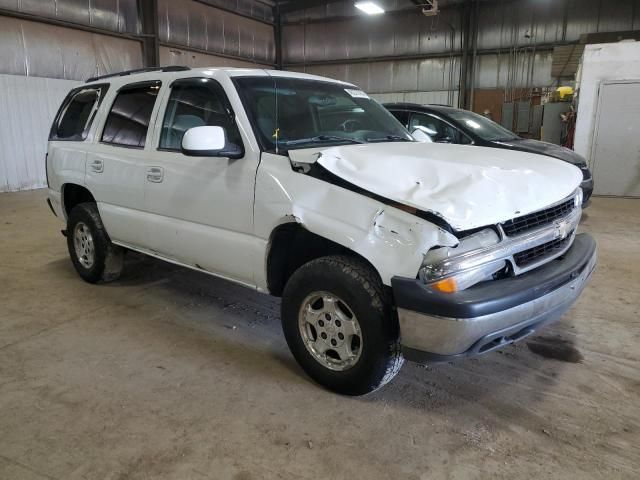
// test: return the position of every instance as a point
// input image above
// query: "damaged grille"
(527, 257)
(537, 219)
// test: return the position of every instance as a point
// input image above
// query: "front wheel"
(340, 326)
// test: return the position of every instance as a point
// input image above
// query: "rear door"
(115, 169)
(201, 208)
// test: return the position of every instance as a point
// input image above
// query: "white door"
(615, 153)
(201, 207)
(115, 167)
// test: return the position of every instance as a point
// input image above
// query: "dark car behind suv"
(444, 124)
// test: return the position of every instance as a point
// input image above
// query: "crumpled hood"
(549, 149)
(468, 186)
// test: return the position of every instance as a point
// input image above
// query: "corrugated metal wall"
(117, 16)
(378, 36)
(194, 25)
(394, 76)
(39, 50)
(507, 32)
(178, 56)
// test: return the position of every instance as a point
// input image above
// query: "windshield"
(482, 126)
(292, 113)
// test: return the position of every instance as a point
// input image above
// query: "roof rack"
(171, 68)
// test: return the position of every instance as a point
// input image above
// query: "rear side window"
(130, 114)
(76, 113)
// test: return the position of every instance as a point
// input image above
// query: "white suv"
(382, 248)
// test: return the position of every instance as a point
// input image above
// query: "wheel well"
(291, 246)
(73, 195)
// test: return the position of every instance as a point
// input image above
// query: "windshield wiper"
(388, 138)
(322, 139)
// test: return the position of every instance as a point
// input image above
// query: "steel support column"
(148, 11)
(277, 35)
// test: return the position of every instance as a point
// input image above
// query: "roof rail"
(171, 68)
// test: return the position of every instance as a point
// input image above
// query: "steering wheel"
(350, 125)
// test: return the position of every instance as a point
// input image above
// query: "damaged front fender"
(392, 240)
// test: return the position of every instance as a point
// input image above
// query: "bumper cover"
(587, 191)
(440, 327)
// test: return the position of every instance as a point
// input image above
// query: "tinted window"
(77, 113)
(196, 103)
(483, 127)
(128, 120)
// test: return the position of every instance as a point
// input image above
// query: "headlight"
(450, 269)
(578, 198)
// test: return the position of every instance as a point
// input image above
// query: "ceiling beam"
(288, 6)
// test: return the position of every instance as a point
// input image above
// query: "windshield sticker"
(356, 93)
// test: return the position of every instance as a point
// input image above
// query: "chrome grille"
(538, 252)
(538, 219)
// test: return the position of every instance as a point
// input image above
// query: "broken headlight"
(451, 269)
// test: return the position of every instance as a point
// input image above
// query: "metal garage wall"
(377, 36)
(38, 50)
(440, 98)
(253, 8)
(515, 37)
(118, 16)
(194, 25)
(422, 81)
(178, 56)
(27, 108)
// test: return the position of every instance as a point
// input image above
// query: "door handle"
(155, 174)
(97, 166)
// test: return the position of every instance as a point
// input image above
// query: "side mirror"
(209, 141)
(421, 136)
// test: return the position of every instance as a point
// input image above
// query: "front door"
(201, 208)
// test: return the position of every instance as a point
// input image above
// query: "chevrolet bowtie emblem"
(562, 230)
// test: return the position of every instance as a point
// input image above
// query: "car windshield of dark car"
(483, 127)
(292, 113)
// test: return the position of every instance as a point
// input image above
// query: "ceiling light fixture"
(370, 8)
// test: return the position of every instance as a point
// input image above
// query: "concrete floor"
(171, 374)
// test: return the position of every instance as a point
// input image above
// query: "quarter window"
(76, 114)
(130, 114)
(196, 103)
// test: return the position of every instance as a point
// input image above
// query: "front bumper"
(438, 326)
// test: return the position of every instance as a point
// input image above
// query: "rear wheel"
(94, 257)
(340, 326)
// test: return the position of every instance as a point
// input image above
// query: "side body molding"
(393, 241)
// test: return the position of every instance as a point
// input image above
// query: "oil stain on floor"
(556, 349)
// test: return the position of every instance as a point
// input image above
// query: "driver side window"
(437, 129)
(195, 103)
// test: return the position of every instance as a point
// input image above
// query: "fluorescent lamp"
(370, 8)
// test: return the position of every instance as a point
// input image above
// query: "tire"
(368, 355)
(94, 257)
